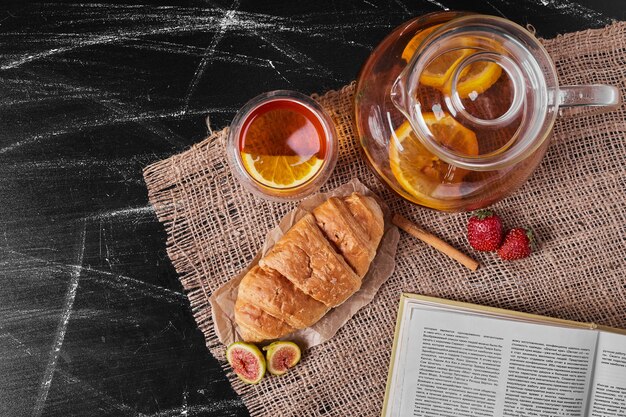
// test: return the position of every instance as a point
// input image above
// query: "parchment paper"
(223, 299)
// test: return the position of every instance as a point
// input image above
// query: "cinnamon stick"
(443, 247)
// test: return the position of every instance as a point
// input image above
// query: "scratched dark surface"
(92, 318)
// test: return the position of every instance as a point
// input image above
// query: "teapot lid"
(481, 77)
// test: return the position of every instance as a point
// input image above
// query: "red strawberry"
(516, 244)
(484, 230)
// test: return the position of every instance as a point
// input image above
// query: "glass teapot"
(454, 110)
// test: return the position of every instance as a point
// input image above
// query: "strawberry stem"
(530, 234)
(483, 214)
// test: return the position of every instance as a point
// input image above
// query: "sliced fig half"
(281, 356)
(247, 361)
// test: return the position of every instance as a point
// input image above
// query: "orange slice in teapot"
(478, 78)
(475, 79)
(414, 43)
(420, 172)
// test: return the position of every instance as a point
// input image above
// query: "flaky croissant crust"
(317, 265)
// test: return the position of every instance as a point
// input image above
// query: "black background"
(92, 318)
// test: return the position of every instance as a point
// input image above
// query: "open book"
(463, 360)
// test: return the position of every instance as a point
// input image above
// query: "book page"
(608, 398)
(454, 364)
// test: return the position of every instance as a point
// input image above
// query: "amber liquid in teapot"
(426, 177)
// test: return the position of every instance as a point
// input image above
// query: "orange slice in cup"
(281, 171)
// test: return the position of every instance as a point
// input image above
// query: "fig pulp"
(247, 361)
(281, 356)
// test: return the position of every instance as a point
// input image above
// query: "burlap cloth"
(575, 202)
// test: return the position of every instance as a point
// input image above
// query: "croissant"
(317, 265)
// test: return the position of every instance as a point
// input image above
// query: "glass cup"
(282, 146)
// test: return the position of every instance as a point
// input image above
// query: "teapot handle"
(577, 99)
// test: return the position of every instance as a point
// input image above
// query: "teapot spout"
(398, 95)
